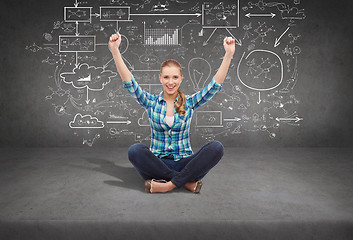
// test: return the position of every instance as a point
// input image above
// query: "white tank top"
(169, 120)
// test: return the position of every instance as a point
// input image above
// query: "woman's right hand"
(114, 42)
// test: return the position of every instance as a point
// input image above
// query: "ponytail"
(180, 105)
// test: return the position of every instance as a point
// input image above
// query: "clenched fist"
(114, 42)
(229, 45)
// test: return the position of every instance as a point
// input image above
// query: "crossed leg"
(193, 168)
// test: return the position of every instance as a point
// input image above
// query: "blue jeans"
(191, 168)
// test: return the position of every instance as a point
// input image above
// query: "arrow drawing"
(277, 39)
(296, 119)
(292, 119)
(105, 65)
(131, 66)
(238, 42)
(76, 61)
(127, 122)
(235, 119)
(272, 15)
(168, 14)
(87, 99)
(259, 101)
(95, 15)
(77, 33)
(206, 42)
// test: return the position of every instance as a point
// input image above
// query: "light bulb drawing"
(199, 72)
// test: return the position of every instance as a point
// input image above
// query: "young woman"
(170, 162)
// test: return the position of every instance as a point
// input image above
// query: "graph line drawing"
(162, 37)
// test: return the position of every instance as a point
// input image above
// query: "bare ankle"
(162, 187)
(194, 186)
(172, 185)
(190, 185)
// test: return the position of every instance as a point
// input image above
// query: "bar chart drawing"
(162, 37)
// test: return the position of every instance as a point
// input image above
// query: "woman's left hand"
(229, 45)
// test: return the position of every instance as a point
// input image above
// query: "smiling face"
(171, 79)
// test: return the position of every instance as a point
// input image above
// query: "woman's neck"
(169, 97)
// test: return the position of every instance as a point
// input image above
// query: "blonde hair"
(180, 105)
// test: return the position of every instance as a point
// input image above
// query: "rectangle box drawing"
(111, 13)
(152, 88)
(77, 14)
(69, 43)
(146, 76)
(219, 15)
(209, 119)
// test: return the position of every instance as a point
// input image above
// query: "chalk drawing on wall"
(257, 97)
(85, 121)
(162, 37)
(209, 119)
(199, 72)
(260, 70)
(220, 15)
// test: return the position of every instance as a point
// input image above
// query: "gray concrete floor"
(290, 186)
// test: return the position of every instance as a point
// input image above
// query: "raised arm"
(229, 47)
(141, 96)
(114, 43)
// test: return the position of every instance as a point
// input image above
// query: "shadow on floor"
(127, 176)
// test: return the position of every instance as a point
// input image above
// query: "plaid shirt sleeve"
(142, 97)
(204, 95)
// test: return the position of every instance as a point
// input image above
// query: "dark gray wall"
(323, 87)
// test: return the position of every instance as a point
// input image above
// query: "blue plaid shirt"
(173, 140)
